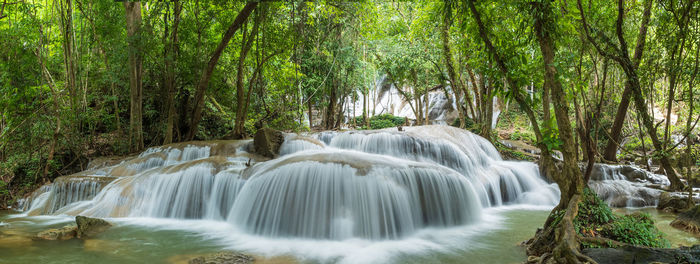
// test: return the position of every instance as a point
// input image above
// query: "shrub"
(380, 121)
(635, 229)
(596, 218)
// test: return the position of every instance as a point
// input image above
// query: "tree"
(133, 26)
(620, 54)
(206, 74)
(561, 239)
(170, 57)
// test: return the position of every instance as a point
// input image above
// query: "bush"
(380, 121)
(635, 229)
(596, 218)
(523, 135)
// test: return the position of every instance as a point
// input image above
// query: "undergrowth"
(595, 219)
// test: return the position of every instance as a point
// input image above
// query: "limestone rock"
(630, 254)
(63, 233)
(225, 257)
(672, 203)
(267, 142)
(688, 221)
(90, 226)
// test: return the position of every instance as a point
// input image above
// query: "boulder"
(671, 202)
(225, 257)
(63, 233)
(90, 226)
(267, 142)
(688, 221)
(631, 254)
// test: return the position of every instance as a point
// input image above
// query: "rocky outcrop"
(672, 202)
(226, 257)
(267, 142)
(630, 254)
(88, 227)
(63, 233)
(688, 221)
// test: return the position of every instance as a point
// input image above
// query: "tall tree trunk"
(311, 117)
(238, 132)
(170, 67)
(487, 107)
(546, 161)
(451, 72)
(330, 110)
(66, 15)
(614, 140)
(630, 69)
(565, 245)
(206, 74)
(133, 26)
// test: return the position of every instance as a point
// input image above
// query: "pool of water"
(495, 239)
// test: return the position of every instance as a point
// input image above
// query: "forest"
(486, 103)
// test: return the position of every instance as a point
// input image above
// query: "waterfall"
(626, 185)
(375, 185)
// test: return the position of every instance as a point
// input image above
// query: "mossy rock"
(88, 227)
(225, 257)
(267, 142)
(672, 203)
(63, 233)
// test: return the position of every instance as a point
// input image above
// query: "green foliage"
(595, 217)
(380, 121)
(635, 229)
(592, 210)
(509, 153)
(523, 135)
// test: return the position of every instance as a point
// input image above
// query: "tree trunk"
(330, 110)
(133, 26)
(546, 161)
(66, 8)
(565, 244)
(451, 73)
(206, 74)
(616, 129)
(170, 67)
(238, 132)
(630, 70)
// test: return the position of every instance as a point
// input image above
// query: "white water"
(389, 191)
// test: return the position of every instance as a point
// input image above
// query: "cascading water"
(373, 185)
(626, 185)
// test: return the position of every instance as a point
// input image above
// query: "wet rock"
(226, 257)
(630, 254)
(63, 233)
(601, 172)
(267, 142)
(688, 221)
(672, 202)
(90, 226)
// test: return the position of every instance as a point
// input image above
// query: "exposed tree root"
(559, 243)
(601, 241)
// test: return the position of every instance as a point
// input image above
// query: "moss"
(511, 154)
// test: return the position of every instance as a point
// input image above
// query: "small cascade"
(626, 185)
(498, 182)
(343, 194)
(374, 185)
